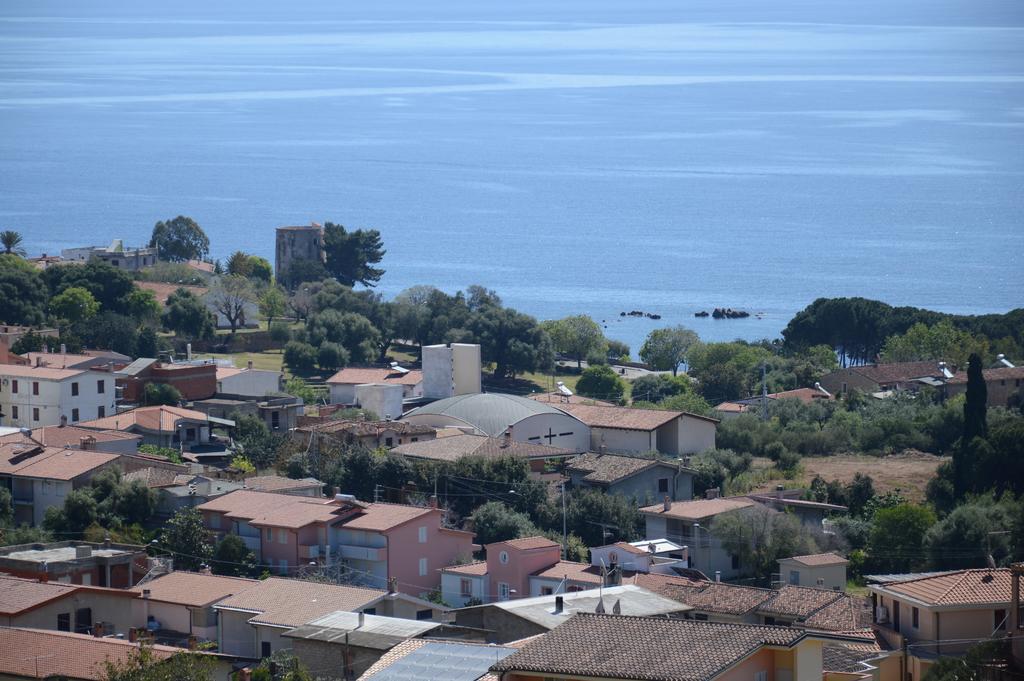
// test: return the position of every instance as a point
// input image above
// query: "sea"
(577, 156)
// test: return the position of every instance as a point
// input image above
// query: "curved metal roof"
(490, 413)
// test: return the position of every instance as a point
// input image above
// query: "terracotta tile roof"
(799, 601)
(194, 589)
(897, 373)
(819, 559)
(383, 517)
(52, 463)
(455, 447)
(153, 477)
(366, 428)
(732, 407)
(477, 568)
(843, 615)
(805, 395)
(624, 418)
(147, 418)
(56, 360)
(965, 587)
(20, 595)
(163, 291)
(997, 374)
(700, 508)
(528, 543)
(609, 468)
(226, 372)
(847, 658)
(46, 654)
(358, 376)
(293, 602)
(625, 647)
(61, 436)
(559, 398)
(273, 483)
(629, 548)
(41, 373)
(571, 571)
(714, 597)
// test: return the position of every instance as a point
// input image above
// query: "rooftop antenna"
(764, 391)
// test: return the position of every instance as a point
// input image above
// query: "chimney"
(392, 585)
(712, 493)
(87, 443)
(244, 674)
(83, 551)
(248, 365)
(666, 504)
(188, 351)
(362, 620)
(778, 491)
(63, 420)
(718, 575)
(433, 501)
(63, 349)
(559, 604)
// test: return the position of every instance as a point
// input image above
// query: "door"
(896, 616)
(83, 620)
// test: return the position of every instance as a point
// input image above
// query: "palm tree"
(11, 241)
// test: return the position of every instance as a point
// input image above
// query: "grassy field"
(909, 471)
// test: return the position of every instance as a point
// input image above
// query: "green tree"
(273, 303)
(280, 332)
(233, 558)
(973, 531)
(142, 305)
(331, 356)
(283, 665)
(975, 427)
(602, 383)
(6, 508)
(494, 521)
(897, 537)
(12, 243)
(578, 336)
(759, 538)
(597, 518)
(22, 292)
(79, 512)
(300, 358)
(232, 296)
(657, 387)
(351, 330)
(185, 538)
(161, 393)
(254, 440)
(512, 341)
(74, 305)
(110, 286)
(666, 349)
(351, 256)
(179, 239)
(188, 316)
(941, 341)
(141, 664)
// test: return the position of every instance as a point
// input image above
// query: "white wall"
(382, 399)
(55, 399)
(540, 425)
(251, 383)
(438, 372)
(620, 441)
(343, 393)
(236, 635)
(466, 368)
(451, 588)
(833, 576)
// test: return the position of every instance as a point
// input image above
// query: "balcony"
(251, 543)
(351, 552)
(309, 551)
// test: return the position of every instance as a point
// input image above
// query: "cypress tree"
(975, 425)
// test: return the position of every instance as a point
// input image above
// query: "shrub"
(332, 356)
(300, 357)
(280, 333)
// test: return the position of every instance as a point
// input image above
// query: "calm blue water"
(576, 155)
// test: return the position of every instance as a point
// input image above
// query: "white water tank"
(451, 370)
(385, 401)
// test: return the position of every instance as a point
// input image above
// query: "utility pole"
(376, 493)
(565, 541)
(764, 391)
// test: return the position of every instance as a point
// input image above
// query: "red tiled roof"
(477, 568)
(997, 374)
(148, 418)
(383, 517)
(572, 571)
(163, 291)
(898, 372)
(42, 373)
(46, 654)
(359, 376)
(699, 509)
(559, 398)
(962, 588)
(528, 543)
(274, 483)
(624, 418)
(819, 559)
(293, 602)
(51, 463)
(193, 589)
(19, 595)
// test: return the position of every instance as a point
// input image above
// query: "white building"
(494, 414)
(821, 570)
(633, 431)
(248, 382)
(116, 255)
(32, 396)
(343, 384)
(451, 370)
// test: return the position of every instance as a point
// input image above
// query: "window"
(74, 414)
(270, 534)
(64, 621)
(14, 411)
(35, 413)
(503, 591)
(1000, 620)
(83, 620)
(14, 386)
(389, 441)
(282, 536)
(35, 387)
(370, 611)
(465, 587)
(114, 262)
(503, 557)
(415, 439)
(86, 579)
(915, 616)
(101, 412)
(735, 562)
(423, 567)
(794, 577)
(760, 676)
(265, 649)
(546, 591)
(422, 535)
(425, 614)
(275, 420)
(101, 386)
(662, 485)
(74, 389)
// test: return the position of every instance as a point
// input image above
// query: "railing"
(351, 552)
(251, 543)
(309, 551)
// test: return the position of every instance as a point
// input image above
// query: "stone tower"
(298, 243)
